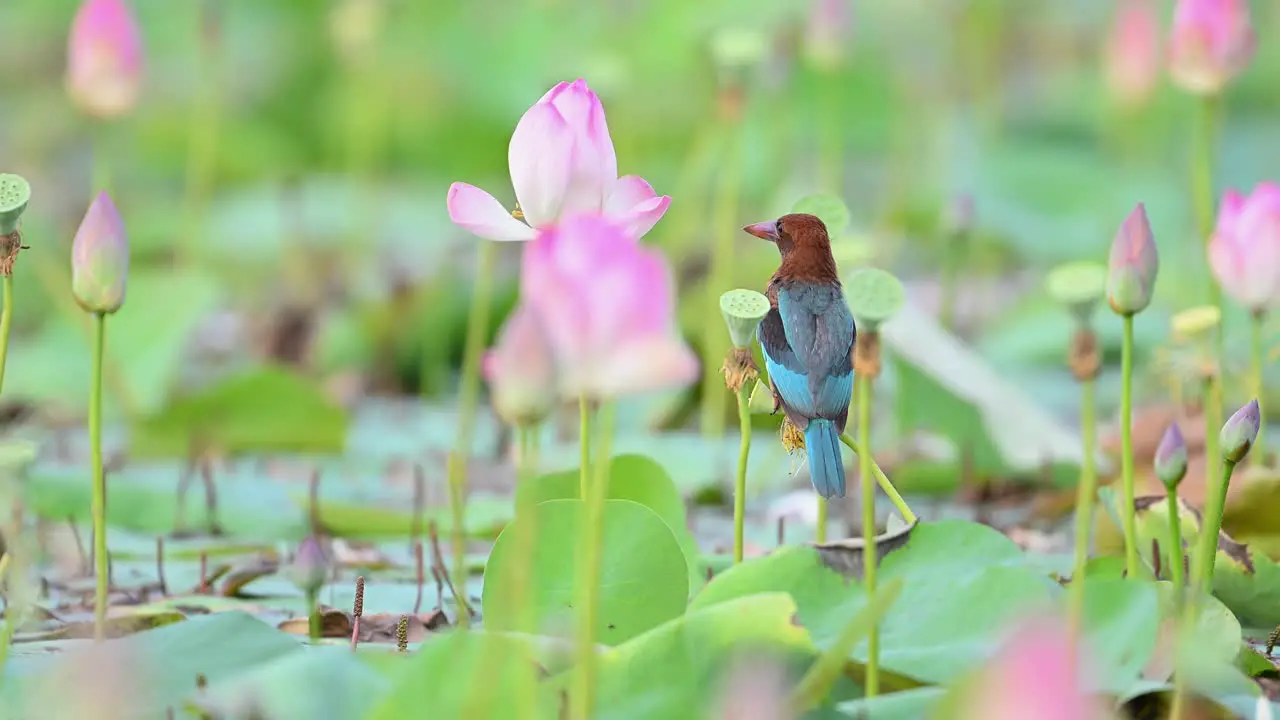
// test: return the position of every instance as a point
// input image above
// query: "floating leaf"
(644, 580)
(338, 685)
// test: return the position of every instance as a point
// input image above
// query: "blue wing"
(807, 341)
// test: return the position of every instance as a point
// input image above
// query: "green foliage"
(644, 577)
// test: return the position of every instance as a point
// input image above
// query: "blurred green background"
(283, 178)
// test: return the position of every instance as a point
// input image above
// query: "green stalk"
(101, 164)
(1257, 359)
(6, 322)
(1202, 197)
(1212, 454)
(820, 532)
(584, 446)
(468, 400)
(826, 669)
(881, 479)
(202, 148)
(1175, 550)
(1207, 549)
(313, 616)
(872, 685)
(99, 482)
(719, 279)
(1087, 490)
(740, 486)
(589, 571)
(528, 685)
(831, 159)
(10, 614)
(1126, 451)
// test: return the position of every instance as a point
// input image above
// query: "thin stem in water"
(99, 482)
(740, 485)
(1215, 486)
(313, 616)
(1126, 450)
(6, 322)
(1175, 549)
(824, 519)
(719, 278)
(1084, 504)
(1257, 357)
(872, 684)
(468, 400)
(589, 571)
(885, 485)
(1202, 199)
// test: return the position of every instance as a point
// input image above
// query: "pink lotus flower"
(104, 59)
(1032, 676)
(1133, 264)
(100, 258)
(520, 370)
(607, 304)
(1244, 251)
(562, 162)
(1212, 42)
(1133, 52)
(828, 31)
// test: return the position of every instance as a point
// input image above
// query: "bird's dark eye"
(777, 227)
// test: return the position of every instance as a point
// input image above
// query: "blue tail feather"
(825, 467)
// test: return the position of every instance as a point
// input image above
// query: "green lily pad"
(475, 674)
(631, 477)
(962, 583)
(874, 296)
(830, 209)
(141, 675)
(15, 193)
(644, 580)
(338, 685)
(267, 409)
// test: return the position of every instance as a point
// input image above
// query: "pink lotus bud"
(608, 306)
(520, 370)
(1133, 264)
(1211, 42)
(311, 564)
(100, 258)
(1133, 52)
(104, 59)
(827, 32)
(1032, 676)
(562, 161)
(1240, 432)
(1170, 461)
(1244, 251)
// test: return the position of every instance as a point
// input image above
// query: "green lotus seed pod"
(743, 310)
(1193, 323)
(1078, 286)
(830, 209)
(761, 401)
(874, 296)
(1240, 432)
(15, 192)
(739, 47)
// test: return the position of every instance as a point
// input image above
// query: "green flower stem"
(883, 480)
(589, 570)
(10, 617)
(872, 685)
(584, 447)
(740, 485)
(831, 159)
(313, 616)
(817, 681)
(820, 531)
(1127, 518)
(101, 164)
(1175, 549)
(468, 401)
(1211, 523)
(1202, 197)
(719, 278)
(202, 147)
(99, 482)
(527, 692)
(1257, 361)
(1085, 495)
(6, 322)
(1215, 487)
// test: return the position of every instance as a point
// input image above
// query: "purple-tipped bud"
(104, 59)
(310, 566)
(100, 258)
(1240, 432)
(1171, 458)
(1133, 264)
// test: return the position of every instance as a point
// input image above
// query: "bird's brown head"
(792, 232)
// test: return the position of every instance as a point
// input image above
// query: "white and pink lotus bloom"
(520, 370)
(607, 305)
(1244, 251)
(562, 162)
(1211, 42)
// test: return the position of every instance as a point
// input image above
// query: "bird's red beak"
(764, 230)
